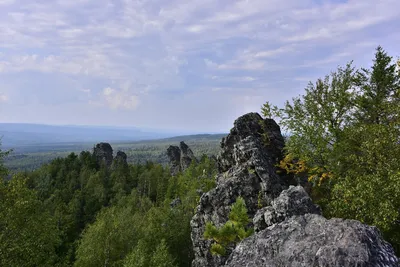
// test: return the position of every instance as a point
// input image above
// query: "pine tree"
(379, 99)
(234, 230)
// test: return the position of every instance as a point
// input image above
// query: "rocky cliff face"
(289, 228)
(180, 157)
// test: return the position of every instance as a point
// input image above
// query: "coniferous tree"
(379, 98)
(234, 230)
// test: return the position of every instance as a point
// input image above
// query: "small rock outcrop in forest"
(121, 158)
(103, 153)
(290, 230)
(180, 157)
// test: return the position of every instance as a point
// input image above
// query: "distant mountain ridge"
(24, 134)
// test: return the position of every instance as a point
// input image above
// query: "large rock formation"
(246, 165)
(180, 157)
(311, 240)
(290, 229)
(103, 153)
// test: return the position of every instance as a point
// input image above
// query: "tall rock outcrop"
(290, 230)
(246, 168)
(103, 153)
(174, 155)
(187, 156)
(180, 157)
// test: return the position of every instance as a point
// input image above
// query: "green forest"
(77, 212)
(343, 135)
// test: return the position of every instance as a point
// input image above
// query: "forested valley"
(75, 211)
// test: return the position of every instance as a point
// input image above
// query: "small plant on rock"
(233, 231)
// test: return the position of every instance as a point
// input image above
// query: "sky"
(176, 64)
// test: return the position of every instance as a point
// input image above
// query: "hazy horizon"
(132, 127)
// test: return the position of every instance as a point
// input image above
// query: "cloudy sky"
(176, 64)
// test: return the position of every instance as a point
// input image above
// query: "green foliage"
(3, 169)
(113, 234)
(379, 98)
(344, 134)
(161, 256)
(28, 234)
(185, 186)
(316, 119)
(144, 256)
(369, 186)
(139, 257)
(125, 232)
(234, 230)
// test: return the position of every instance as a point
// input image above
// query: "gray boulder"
(311, 240)
(292, 201)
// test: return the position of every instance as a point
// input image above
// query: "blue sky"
(178, 65)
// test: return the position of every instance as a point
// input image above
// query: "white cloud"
(246, 79)
(3, 98)
(240, 65)
(6, 2)
(274, 52)
(338, 57)
(120, 99)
